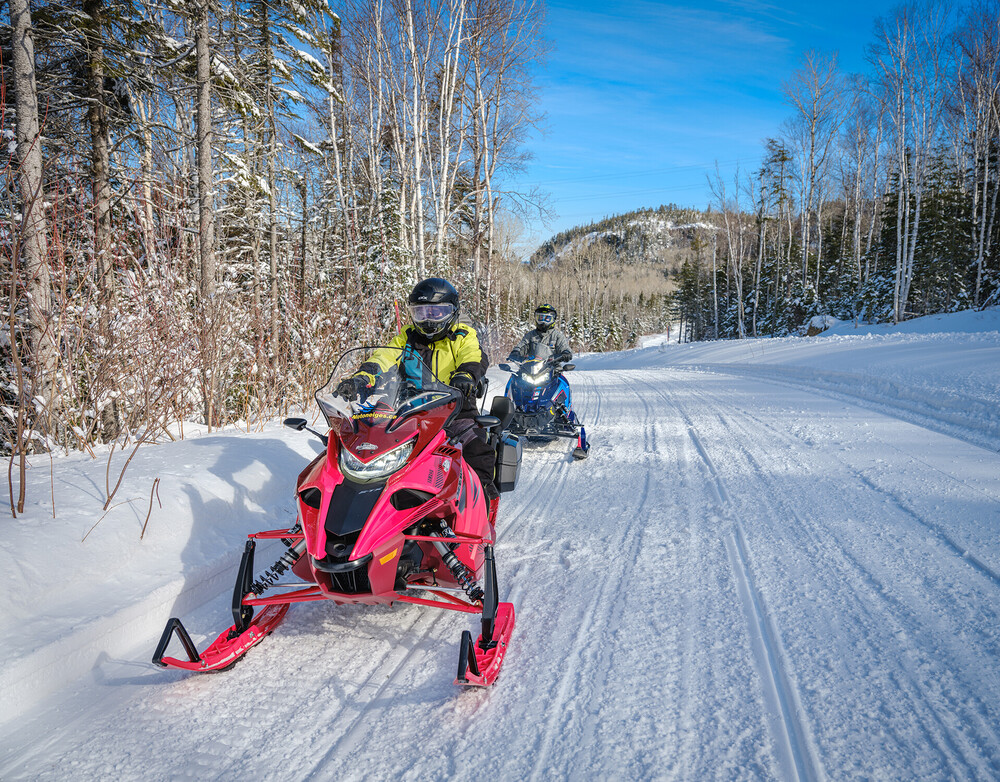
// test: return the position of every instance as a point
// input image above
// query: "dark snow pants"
(477, 454)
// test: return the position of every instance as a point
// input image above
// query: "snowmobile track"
(785, 506)
(383, 677)
(628, 540)
(781, 693)
(960, 751)
(368, 694)
(925, 413)
(798, 754)
(960, 550)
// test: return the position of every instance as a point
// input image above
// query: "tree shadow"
(219, 526)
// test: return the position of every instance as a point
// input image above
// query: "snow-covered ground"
(781, 561)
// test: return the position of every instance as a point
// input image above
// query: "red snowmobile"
(389, 512)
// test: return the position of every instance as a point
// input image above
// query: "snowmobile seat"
(503, 408)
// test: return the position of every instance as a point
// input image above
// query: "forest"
(205, 202)
(877, 202)
(208, 201)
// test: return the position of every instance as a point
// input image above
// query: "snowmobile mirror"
(298, 424)
(505, 367)
(488, 421)
(568, 367)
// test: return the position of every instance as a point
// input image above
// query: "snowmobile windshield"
(541, 351)
(381, 387)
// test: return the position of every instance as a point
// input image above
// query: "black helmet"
(433, 305)
(545, 316)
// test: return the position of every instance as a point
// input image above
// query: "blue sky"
(642, 98)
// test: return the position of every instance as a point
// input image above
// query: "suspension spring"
(270, 576)
(461, 573)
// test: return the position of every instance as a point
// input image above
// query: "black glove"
(351, 387)
(464, 382)
(564, 356)
(514, 356)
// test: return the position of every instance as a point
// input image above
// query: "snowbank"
(941, 371)
(78, 583)
(965, 322)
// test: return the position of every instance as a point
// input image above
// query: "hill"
(661, 236)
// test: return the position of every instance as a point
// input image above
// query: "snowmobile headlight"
(380, 467)
(538, 379)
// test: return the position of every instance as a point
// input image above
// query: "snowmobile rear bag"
(508, 461)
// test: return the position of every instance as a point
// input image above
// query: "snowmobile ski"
(226, 650)
(478, 666)
(479, 663)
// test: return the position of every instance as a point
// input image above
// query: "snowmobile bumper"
(541, 424)
(226, 650)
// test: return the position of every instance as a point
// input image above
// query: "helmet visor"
(545, 318)
(431, 313)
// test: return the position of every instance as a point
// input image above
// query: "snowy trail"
(744, 580)
(877, 571)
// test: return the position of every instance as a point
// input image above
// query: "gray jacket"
(537, 344)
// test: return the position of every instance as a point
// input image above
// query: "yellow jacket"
(457, 351)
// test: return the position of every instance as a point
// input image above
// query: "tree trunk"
(206, 216)
(419, 122)
(304, 195)
(272, 153)
(715, 284)
(44, 353)
(97, 117)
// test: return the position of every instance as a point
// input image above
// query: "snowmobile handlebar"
(553, 361)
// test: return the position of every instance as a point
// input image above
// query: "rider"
(452, 350)
(545, 333)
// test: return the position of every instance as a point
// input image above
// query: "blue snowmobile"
(543, 406)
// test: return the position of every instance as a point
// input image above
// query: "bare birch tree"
(206, 206)
(814, 92)
(733, 223)
(33, 248)
(912, 62)
(978, 87)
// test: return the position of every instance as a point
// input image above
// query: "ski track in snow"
(957, 757)
(385, 676)
(933, 527)
(969, 419)
(736, 584)
(797, 756)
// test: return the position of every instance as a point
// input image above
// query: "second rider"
(545, 340)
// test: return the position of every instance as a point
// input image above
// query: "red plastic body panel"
(437, 469)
